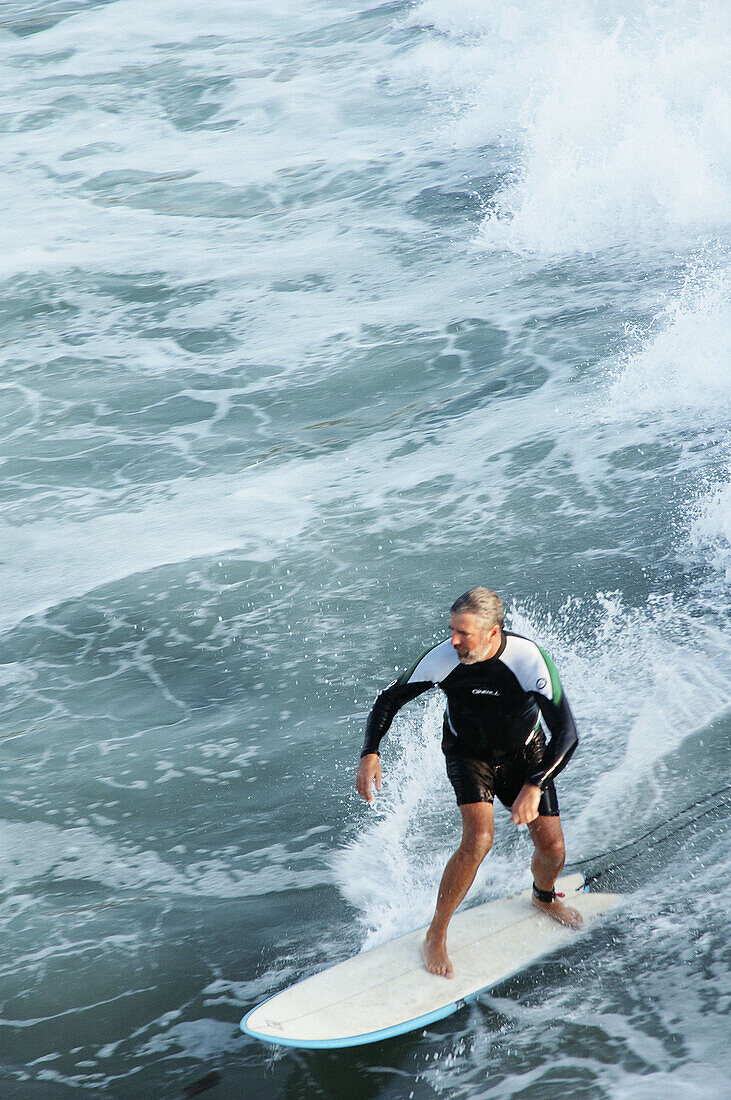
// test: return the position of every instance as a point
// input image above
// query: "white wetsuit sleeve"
(430, 669)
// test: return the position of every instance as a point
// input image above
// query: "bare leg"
(547, 864)
(459, 874)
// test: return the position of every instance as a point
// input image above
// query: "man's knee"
(476, 843)
(551, 847)
(477, 829)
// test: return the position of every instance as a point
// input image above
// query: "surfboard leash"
(724, 793)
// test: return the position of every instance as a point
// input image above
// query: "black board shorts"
(476, 780)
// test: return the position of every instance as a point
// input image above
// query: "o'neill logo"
(484, 691)
(541, 683)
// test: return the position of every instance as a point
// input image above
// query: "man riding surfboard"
(499, 686)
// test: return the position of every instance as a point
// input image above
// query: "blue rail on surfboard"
(357, 1040)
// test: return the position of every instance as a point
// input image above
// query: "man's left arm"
(564, 738)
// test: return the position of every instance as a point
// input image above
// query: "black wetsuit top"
(494, 707)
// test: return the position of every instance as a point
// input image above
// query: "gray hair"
(483, 602)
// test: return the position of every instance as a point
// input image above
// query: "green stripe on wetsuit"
(556, 689)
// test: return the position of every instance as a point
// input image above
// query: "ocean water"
(313, 315)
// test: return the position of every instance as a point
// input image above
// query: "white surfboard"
(386, 991)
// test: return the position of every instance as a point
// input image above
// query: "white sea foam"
(385, 871)
(622, 123)
(54, 560)
(710, 530)
(683, 365)
(638, 690)
(36, 851)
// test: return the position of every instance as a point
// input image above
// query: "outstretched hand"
(369, 772)
(525, 808)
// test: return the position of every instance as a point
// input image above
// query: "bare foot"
(436, 959)
(564, 914)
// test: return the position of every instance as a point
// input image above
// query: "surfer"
(498, 687)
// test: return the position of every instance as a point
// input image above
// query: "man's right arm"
(430, 669)
(385, 708)
(382, 714)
